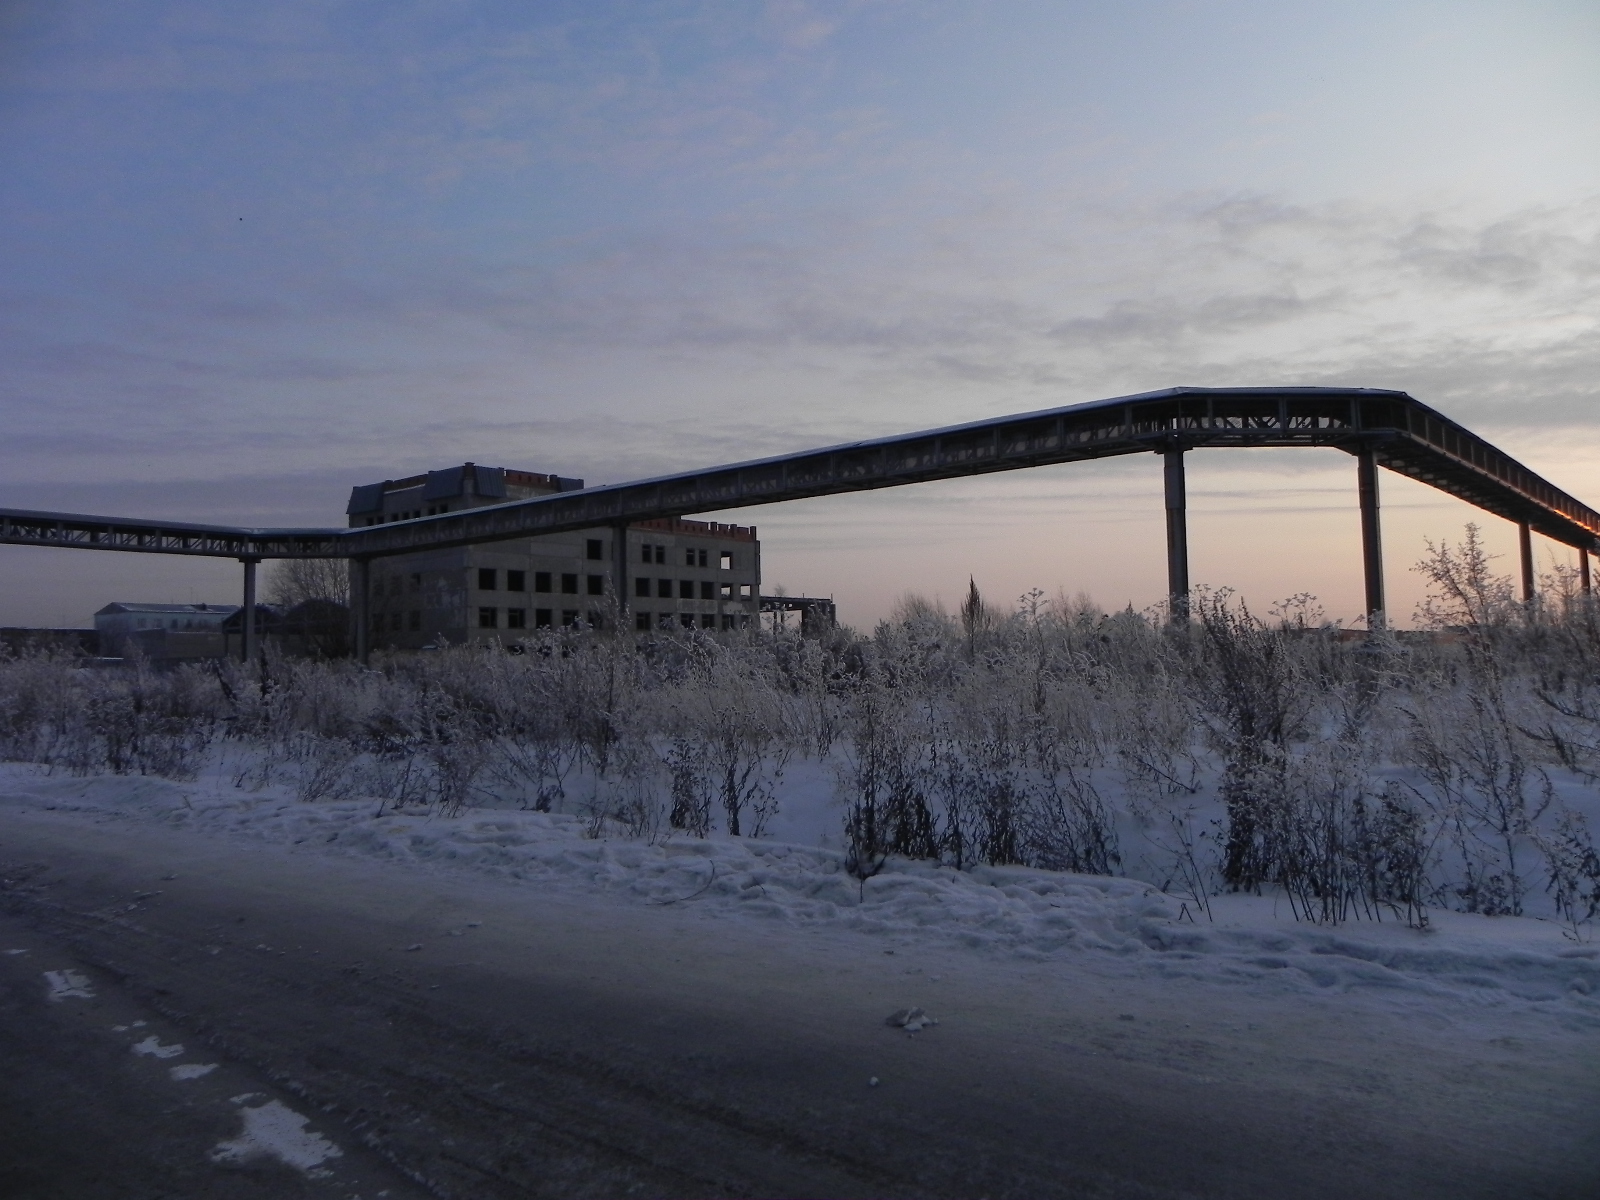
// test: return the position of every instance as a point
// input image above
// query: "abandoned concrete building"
(681, 573)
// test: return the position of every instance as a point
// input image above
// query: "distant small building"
(163, 630)
(817, 613)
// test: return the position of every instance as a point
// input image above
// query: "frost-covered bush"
(1358, 776)
(129, 722)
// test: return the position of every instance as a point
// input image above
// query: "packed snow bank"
(1018, 911)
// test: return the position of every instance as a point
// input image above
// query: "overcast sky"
(252, 254)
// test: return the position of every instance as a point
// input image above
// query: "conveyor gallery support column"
(247, 639)
(1177, 536)
(1583, 572)
(1371, 536)
(361, 607)
(1525, 553)
(619, 572)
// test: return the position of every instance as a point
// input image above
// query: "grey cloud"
(1513, 253)
(1501, 256)
(693, 350)
(305, 498)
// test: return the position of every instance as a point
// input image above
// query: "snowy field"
(1269, 802)
(1018, 912)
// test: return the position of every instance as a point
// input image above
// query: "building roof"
(487, 482)
(126, 606)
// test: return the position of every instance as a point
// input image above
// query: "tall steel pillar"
(1177, 535)
(361, 606)
(247, 640)
(619, 572)
(1371, 536)
(1583, 572)
(1525, 553)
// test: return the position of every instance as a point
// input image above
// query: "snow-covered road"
(562, 1033)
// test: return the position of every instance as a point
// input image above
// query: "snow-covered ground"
(1126, 925)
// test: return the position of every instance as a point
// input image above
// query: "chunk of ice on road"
(909, 1019)
(192, 1070)
(65, 985)
(275, 1130)
(152, 1045)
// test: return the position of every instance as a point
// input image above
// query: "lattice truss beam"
(1398, 431)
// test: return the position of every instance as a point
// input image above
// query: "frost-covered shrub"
(1363, 778)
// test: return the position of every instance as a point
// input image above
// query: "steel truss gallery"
(1380, 428)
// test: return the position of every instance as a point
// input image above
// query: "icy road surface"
(555, 1035)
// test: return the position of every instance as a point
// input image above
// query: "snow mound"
(1018, 911)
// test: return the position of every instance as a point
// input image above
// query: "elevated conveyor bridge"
(1380, 428)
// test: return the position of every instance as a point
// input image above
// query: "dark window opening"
(569, 617)
(416, 621)
(708, 590)
(486, 579)
(708, 620)
(516, 618)
(664, 589)
(488, 618)
(541, 581)
(516, 581)
(596, 549)
(541, 618)
(569, 585)
(394, 623)
(661, 555)
(641, 622)
(703, 561)
(597, 585)
(416, 581)
(687, 620)
(641, 587)
(685, 589)
(647, 553)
